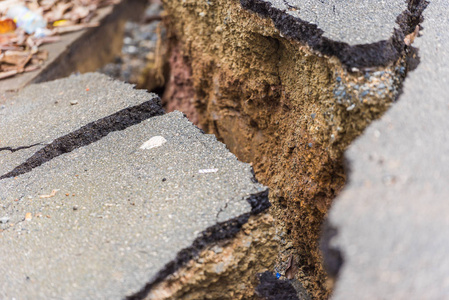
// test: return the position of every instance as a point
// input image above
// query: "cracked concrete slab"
(362, 33)
(40, 114)
(391, 220)
(108, 219)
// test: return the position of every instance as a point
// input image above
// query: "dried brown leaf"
(7, 26)
(7, 74)
(292, 269)
(15, 57)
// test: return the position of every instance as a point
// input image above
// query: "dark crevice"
(221, 210)
(332, 257)
(89, 134)
(18, 148)
(271, 288)
(380, 53)
(219, 232)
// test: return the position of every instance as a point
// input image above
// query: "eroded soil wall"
(276, 104)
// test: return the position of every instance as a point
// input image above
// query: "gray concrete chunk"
(103, 220)
(392, 219)
(351, 22)
(361, 34)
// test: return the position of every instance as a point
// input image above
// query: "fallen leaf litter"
(27, 24)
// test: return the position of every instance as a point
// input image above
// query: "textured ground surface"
(287, 99)
(391, 220)
(102, 217)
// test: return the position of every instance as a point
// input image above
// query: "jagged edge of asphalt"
(361, 56)
(333, 259)
(221, 231)
(89, 134)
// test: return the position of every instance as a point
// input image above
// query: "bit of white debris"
(376, 133)
(73, 102)
(52, 194)
(203, 171)
(155, 141)
(350, 107)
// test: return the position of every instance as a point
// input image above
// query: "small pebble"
(350, 107)
(127, 40)
(73, 102)
(75, 207)
(4, 220)
(28, 216)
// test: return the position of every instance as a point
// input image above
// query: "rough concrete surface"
(392, 218)
(42, 113)
(104, 220)
(354, 22)
(361, 34)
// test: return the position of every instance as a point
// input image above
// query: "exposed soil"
(225, 270)
(280, 106)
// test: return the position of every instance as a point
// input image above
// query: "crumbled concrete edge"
(222, 231)
(227, 269)
(381, 53)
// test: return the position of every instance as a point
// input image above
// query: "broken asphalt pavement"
(359, 33)
(392, 218)
(98, 215)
